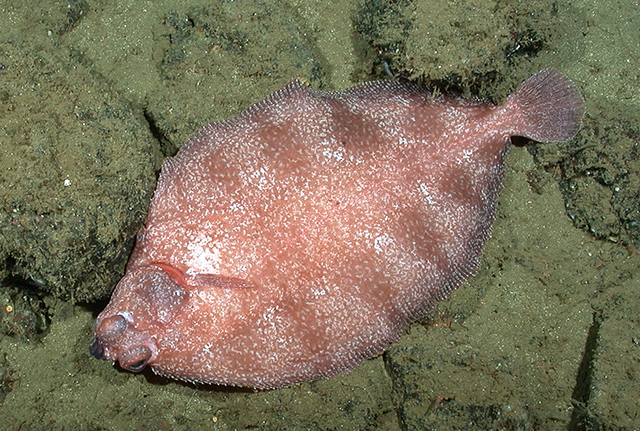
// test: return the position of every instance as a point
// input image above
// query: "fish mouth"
(97, 349)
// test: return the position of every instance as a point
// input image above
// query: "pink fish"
(301, 237)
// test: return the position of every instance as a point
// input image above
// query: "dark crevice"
(580, 418)
(24, 315)
(76, 10)
(395, 375)
(167, 148)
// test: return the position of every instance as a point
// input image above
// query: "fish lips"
(97, 349)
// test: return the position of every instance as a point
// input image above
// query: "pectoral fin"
(203, 280)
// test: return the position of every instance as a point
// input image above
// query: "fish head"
(141, 309)
(115, 340)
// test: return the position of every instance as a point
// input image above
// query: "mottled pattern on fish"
(294, 241)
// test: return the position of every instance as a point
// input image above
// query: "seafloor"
(94, 94)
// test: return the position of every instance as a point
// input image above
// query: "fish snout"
(107, 331)
(116, 339)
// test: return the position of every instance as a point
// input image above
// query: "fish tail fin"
(549, 107)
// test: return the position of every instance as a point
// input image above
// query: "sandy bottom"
(546, 336)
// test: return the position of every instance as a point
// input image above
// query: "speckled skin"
(296, 240)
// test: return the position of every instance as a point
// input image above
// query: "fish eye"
(112, 327)
(136, 367)
(135, 359)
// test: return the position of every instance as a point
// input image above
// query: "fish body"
(294, 241)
